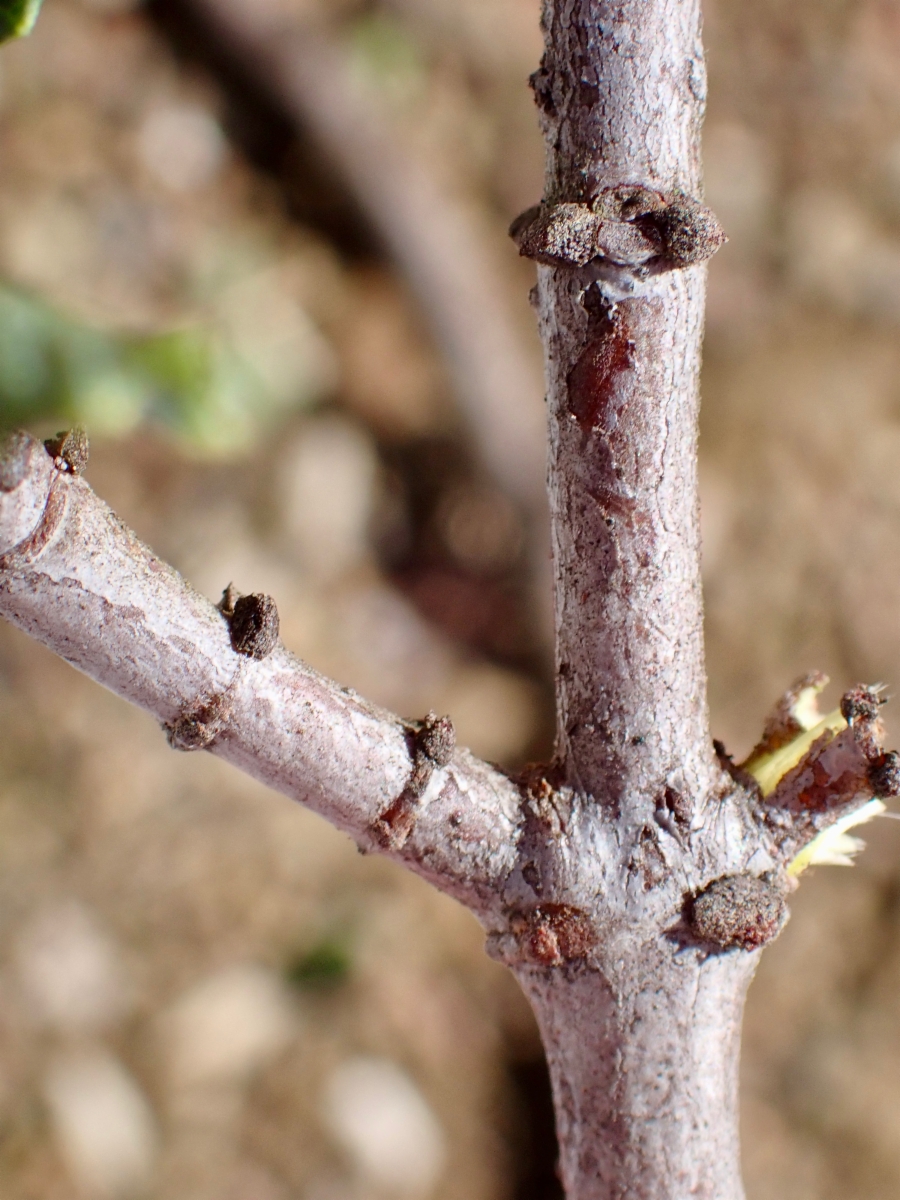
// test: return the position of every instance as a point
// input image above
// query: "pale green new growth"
(833, 846)
(770, 768)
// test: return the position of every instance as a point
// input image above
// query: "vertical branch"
(621, 91)
(631, 688)
(642, 1028)
(645, 1075)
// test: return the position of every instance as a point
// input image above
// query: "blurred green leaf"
(212, 388)
(17, 17)
(385, 55)
(49, 366)
(200, 387)
(325, 966)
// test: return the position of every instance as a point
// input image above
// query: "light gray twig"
(75, 578)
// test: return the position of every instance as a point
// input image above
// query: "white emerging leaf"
(834, 846)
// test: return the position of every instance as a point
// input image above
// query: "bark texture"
(74, 577)
(643, 1043)
(645, 1070)
(621, 91)
(656, 868)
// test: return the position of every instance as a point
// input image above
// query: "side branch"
(74, 577)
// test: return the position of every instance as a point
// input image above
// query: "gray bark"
(644, 1064)
(75, 578)
(643, 1044)
(631, 882)
(642, 1030)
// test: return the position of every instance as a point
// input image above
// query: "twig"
(75, 578)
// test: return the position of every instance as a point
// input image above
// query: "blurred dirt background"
(205, 992)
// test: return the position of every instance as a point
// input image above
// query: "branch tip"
(819, 776)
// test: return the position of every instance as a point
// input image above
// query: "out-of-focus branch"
(438, 242)
(75, 578)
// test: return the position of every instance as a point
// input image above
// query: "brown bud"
(563, 234)
(70, 449)
(861, 703)
(437, 739)
(738, 911)
(552, 934)
(254, 626)
(198, 730)
(884, 775)
(631, 226)
(690, 231)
